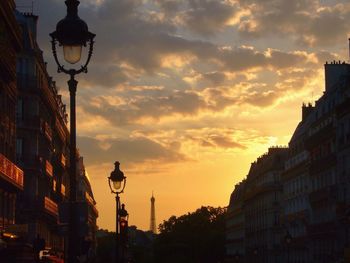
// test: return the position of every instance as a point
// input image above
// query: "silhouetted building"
(326, 173)
(89, 211)
(296, 186)
(313, 226)
(235, 224)
(42, 141)
(11, 176)
(262, 207)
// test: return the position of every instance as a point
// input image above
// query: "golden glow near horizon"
(186, 94)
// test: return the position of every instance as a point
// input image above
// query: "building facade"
(296, 187)
(88, 211)
(262, 207)
(42, 141)
(313, 226)
(235, 227)
(11, 175)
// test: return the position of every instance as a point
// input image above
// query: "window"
(19, 109)
(19, 149)
(54, 185)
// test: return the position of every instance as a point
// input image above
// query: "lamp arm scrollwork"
(123, 185)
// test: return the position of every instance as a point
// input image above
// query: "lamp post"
(117, 182)
(288, 240)
(123, 222)
(72, 34)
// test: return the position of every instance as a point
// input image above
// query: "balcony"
(51, 206)
(322, 196)
(47, 130)
(323, 163)
(63, 189)
(60, 131)
(323, 134)
(10, 172)
(48, 168)
(63, 160)
(263, 188)
(26, 82)
(322, 230)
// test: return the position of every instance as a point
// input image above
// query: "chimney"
(334, 73)
(32, 21)
(306, 110)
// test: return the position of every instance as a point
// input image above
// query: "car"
(49, 256)
(44, 253)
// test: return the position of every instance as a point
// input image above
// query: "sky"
(187, 93)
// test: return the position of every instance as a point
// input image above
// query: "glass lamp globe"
(72, 53)
(117, 185)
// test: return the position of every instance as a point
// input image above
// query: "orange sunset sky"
(187, 93)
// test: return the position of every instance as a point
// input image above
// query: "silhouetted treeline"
(191, 238)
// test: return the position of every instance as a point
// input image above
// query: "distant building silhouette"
(153, 227)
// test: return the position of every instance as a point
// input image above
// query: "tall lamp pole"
(117, 182)
(72, 34)
(123, 223)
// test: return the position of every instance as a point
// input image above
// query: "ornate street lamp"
(117, 182)
(72, 34)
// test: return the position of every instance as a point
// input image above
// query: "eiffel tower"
(153, 227)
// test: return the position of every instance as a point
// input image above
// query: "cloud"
(128, 151)
(169, 6)
(224, 142)
(309, 23)
(207, 17)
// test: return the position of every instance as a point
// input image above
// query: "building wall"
(42, 141)
(85, 196)
(296, 188)
(263, 207)
(11, 176)
(315, 188)
(235, 228)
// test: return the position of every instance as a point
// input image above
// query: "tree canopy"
(195, 237)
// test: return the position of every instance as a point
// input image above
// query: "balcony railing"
(47, 131)
(63, 189)
(63, 160)
(11, 172)
(49, 168)
(89, 199)
(51, 206)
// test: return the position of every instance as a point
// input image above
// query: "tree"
(194, 237)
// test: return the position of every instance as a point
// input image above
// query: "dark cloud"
(225, 142)
(169, 6)
(262, 99)
(184, 103)
(133, 41)
(218, 139)
(128, 151)
(215, 78)
(309, 22)
(208, 17)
